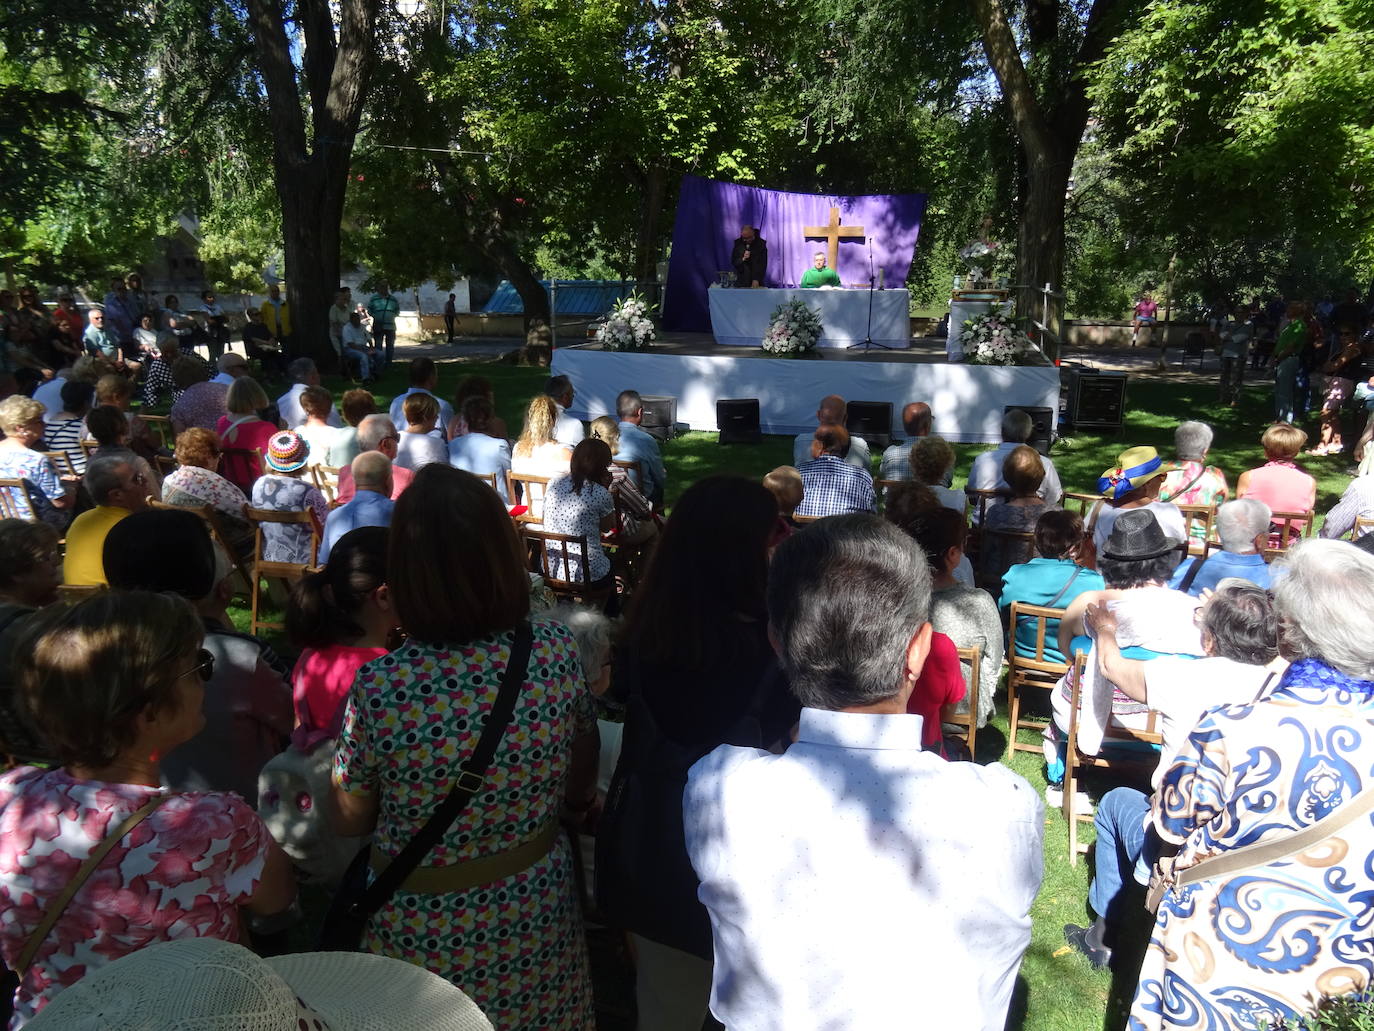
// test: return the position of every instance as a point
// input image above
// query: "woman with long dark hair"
(695, 670)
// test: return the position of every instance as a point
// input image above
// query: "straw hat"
(287, 451)
(206, 984)
(1134, 468)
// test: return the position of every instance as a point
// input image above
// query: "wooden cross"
(832, 234)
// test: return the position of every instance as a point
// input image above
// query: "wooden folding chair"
(73, 593)
(1286, 529)
(974, 657)
(326, 480)
(1203, 516)
(545, 547)
(1080, 503)
(1363, 525)
(1017, 545)
(218, 533)
(163, 425)
(166, 465)
(1035, 672)
(527, 489)
(1141, 767)
(89, 447)
(802, 520)
(61, 461)
(634, 469)
(975, 511)
(16, 502)
(287, 571)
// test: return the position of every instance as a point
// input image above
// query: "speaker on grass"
(1096, 399)
(738, 420)
(1042, 425)
(660, 416)
(871, 420)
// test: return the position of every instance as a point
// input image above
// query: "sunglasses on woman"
(205, 667)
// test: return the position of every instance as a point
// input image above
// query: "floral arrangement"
(793, 329)
(992, 339)
(629, 325)
(986, 259)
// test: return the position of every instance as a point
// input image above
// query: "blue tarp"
(575, 297)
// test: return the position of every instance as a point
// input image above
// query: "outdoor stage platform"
(968, 400)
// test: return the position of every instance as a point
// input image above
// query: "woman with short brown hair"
(458, 583)
(197, 481)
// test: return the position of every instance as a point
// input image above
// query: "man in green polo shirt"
(818, 274)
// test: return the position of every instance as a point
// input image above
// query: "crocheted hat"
(287, 451)
(210, 984)
(1134, 467)
(1136, 535)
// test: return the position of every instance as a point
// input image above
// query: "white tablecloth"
(959, 313)
(967, 400)
(739, 318)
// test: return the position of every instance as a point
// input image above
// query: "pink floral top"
(181, 873)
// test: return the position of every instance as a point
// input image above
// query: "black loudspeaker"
(871, 420)
(1042, 425)
(738, 421)
(660, 416)
(1096, 399)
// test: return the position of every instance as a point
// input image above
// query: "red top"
(319, 686)
(1283, 487)
(941, 683)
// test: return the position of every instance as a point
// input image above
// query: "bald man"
(917, 421)
(831, 412)
(371, 504)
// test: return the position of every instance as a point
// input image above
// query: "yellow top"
(85, 563)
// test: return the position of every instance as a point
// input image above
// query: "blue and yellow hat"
(1134, 468)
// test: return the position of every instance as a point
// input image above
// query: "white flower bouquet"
(793, 329)
(992, 339)
(629, 325)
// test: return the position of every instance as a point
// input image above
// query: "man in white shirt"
(303, 374)
(566, 430)
(831, 412)
(231, 366)
(1240, 638)
(424, 379)
(856, 881)
(986, 471)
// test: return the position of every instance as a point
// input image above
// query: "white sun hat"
(207, 985)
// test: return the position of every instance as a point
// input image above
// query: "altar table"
(740, 317)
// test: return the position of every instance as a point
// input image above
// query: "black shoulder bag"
(356, 900)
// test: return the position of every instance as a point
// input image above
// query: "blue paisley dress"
(1264, 944)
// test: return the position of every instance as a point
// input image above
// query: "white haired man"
(303, 374)
(986, 471)
(1243, 526)
(857, 876)
(376, 433)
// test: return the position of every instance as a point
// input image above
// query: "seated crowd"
(755, 702)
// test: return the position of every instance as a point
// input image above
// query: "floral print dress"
(181, 873)
(516, 946)
(288, 542)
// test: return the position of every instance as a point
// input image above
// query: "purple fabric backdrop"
(710, 213)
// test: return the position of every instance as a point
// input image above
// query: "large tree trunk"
(1040, 242)
(651, 206)
(312, 212)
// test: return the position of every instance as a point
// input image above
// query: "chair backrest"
(16, 502)
(1363, 525)
(554, 551)
(326, 480)
(489, 478)
(260, 516)
(977, 504)
(74, 593)
(166, 464)
(1011, 547)
(527, 489)
(1198, 524)
(804, 520)
(1080, 503)
(89, 447)
(1037, 669)
(635, 470)
(974, 657)
(163, 425)
(1286, 528)
(61, 461)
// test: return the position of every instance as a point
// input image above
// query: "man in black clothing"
(749, 258)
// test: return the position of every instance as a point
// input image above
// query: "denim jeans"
(1286, 388)
(364, 367)
(1120, 824)
(385, 341)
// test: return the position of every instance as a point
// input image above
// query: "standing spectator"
(450, 316)
(115, 683)
(303, 374)
(1243, 528)
(371, 504)
(356, 405)
(341, 618)
(216, 324)
(1279, 483)
(141, 301)
(567, 430)
(480, 450)
(694, 670)
(47, 496)
(830, 485)
(1287, 363)
(579, 503)
(424, 379)
(1338, 385)
(917, 422)
(33, 330)
(199, 400)
(638, 446)
(376, 433)
(276, 317)
(282, 489)
(832, 412)
(384, 308)
(1053, 579)
(936, 904)
(417, 446)
(515, 944)
(63, 431)
(118, 489)
(986, 472)
(121, 315)
(244, 429)
(1236, 337)
(173, 320)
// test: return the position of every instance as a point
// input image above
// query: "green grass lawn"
(1061, 991)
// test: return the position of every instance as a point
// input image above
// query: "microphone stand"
(868, 343)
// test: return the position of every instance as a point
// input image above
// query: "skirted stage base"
(968, 400)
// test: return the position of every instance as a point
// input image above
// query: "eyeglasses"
(205, 667)
(139, 480)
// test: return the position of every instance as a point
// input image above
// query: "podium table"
(740, 317)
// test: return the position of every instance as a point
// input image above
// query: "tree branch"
(317, 27)
(279, 75)
(999, 43)
(1104, 22)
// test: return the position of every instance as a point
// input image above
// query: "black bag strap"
(1063, 590)
(1192, 573)
(471, 776)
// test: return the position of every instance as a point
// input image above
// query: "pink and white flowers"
(793, 329)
